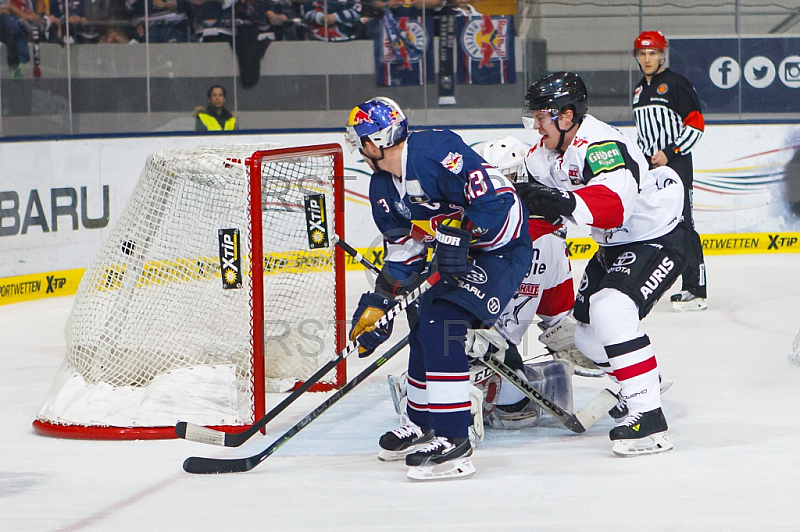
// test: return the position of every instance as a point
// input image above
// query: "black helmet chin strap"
(565, 131)
(373, 159)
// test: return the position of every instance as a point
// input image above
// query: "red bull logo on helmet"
(359, 116)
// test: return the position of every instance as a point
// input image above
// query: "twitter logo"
(759, 72)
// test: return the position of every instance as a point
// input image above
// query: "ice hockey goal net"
(210, 288)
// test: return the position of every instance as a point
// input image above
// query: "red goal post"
(161, 332)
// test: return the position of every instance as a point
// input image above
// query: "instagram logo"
(789, 71)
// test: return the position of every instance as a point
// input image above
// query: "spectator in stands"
(274, 20)
(465, 8)
(213, 20)
(406, 9)
(215, 117)
(71, 30)
(16, 19)
(90, 21)
(342, 21)
(258, 23)
(168, 20)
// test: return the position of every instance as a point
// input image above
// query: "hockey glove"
(452, 250)
(545, 202)
(371, 308)
(481, 343)
(560, 342)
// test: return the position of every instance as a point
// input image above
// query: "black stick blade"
(209, 466)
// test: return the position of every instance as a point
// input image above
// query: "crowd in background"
(177, 21)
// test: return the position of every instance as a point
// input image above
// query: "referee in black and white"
(669, 124)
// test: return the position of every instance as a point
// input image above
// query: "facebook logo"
(724, 72)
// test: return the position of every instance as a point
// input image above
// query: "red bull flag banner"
(404, 51)
(485, 50)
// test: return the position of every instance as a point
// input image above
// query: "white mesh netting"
(153, 337)
(794, 354)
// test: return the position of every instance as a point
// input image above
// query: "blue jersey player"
(430, 188)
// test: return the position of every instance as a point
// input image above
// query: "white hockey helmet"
(507, 154)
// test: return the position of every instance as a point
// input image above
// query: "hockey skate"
(641, 433)
(398, 443)
(440, 459)
(685, 301)
(620, 410)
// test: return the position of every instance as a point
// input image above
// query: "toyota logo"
(625, 259)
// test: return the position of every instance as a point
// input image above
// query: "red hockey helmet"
(651, 40)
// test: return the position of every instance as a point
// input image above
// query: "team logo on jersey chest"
(662, 89)
(636, 95)
(454, 162)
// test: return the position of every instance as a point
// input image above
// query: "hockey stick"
(200, 434)
(350, 250)
(577, 422)
(204, 466)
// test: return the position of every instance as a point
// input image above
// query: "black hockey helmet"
(557, 91)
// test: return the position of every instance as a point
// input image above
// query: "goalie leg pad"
(476, 410)
(553, 379)
(488, 382)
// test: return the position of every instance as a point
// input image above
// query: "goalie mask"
(507, 154)
(380, 120)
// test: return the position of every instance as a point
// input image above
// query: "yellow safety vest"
(212, 124)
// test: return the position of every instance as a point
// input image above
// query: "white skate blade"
(655, 443)
(697, 303)
(459, 467)
(385, 455)
(393, 456)
(664, 385)
(596, 408)
(581, 371)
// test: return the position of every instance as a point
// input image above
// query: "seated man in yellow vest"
(215, 117)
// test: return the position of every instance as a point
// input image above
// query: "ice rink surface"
(733, 412)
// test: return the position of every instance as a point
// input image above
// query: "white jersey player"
(546, 295)
(547, 291)
(591, 173)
